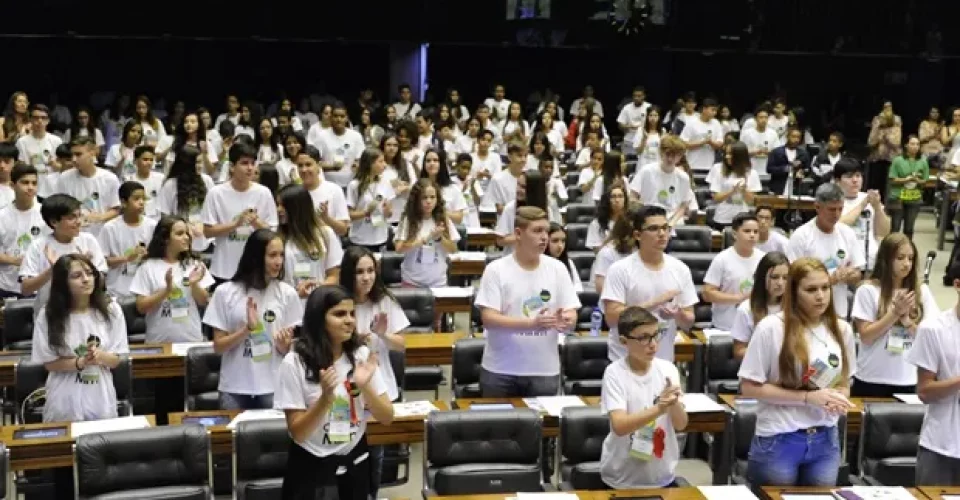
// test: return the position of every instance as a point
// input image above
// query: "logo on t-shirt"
(841, 254)
(269, 316)
(95, 196)
(545, 295)
(834, 360)
(35, 231)
(746, 285)
(314, 255)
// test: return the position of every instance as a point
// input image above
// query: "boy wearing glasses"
(651, 279)
(641, 396)
(38, 148)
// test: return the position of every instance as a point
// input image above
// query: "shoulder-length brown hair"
(883, 276)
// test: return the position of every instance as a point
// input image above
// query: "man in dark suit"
(788, 162)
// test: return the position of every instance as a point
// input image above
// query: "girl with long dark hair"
(734, 183)
(183, 193)
(369, 198)
(435, 168)
(764, 301)
(531, 191)
(426, 237)
(557, 248)
(312, 250)
(120, 157)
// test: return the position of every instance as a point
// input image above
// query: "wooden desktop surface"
(663, 494)
(777, 492)
(937, 492)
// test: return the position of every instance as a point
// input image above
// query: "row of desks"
(691, 493)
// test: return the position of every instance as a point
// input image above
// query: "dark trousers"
(877, 177)
(905, 214)
(309, 477)
(861, 389)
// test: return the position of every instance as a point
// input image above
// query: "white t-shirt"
(756, 141)
(96, 194)
(743, 321)
(574, 276)
(701, 158)
(399, 203)
(251, 366)
(606, 257)
(372, 230)
(178, 318)
(7, 195)
(492, 164)
(167, 201)
(298, 265)
(834, 249)
(779, 125)
(630, 282)
(40, 153)
(18, 230)
(120, 159)
(761, 364)
(224, 204)
(937, 350)
(426, 265)
(151, 187)
(120, 239)
(883, 361)
(87, 395)
(454, 199)
(35, 260)
(332, 195)
(731, 273)
(651, 150)
(503, 188)
(515, 292)
(555, 190)
(776, 242)
(344, 149)
(295, 393)
(597, 235)
(396, 322)
(734, 204)
(669, 190)
(472, 217)
(635, 116)
(507, 220)
(629, 392)
(860, 227)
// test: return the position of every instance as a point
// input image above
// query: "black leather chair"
(581, 213)
(169, 462)
(583, 260)
(577, 236)
(18, 325)
(390, 267)
(589, 299)
(692, 239)
(698, 262)
(260, 459)
(462, 243)
(722, 367)
(136, 322)
(583, 361)
(582, 431)
(396, 457)
(889, 437)
(702, 311)
(727, 237)
(744, 424)
(574, 194)
(32, 376)
(465, 367)
(4, 469)
(418, 305)
(475, 452)
(202, 379)
(571, 179)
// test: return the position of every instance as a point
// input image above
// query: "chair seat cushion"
(586, 476)
(464, 479)
(723, 386)
(261, 489)
(420, 378)
(893, 471)
(582, 387)
(159, 493)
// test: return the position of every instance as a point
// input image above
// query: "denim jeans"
(495, 385)
(230, 401)
(799, 458)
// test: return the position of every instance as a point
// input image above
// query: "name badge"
(301, 270)
(179, 313)
(260, 351)
(899, 340)
(824, 370)
(377, 220)
(641, 442)
(338, 160)
(339, 432)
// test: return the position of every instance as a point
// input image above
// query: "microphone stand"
(792, 218)
(866, 247)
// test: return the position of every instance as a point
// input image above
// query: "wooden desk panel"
(780, 202)
(468, 268)
(481, 241)
(427, 349)
(777, 492)
(665, 494)
(937, 492)
(221, 438)
(453, 305)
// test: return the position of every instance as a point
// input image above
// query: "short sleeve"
(337, 206)
(926, 351)
(490, 294)
(930, 307)
(401, 232)
(140, 284)
(506, 222)
(714, 274)
(268, 209)
(292, 308)
(33, 261)
(289, 388)
(742, 328)
(753, 181)
(207, 281)
(334, 250)
(397, 320)
(594, 234)
(96, 253)
(42, 352)
(849, 346)
(452, 230)
(208, 212)
(865, 305)
(379, 386)
(688, 291)
(761, 353)
(615, 286)
(575, 277)
(216, 313)
(795, 248)
(352, 195)
(111, 194)
(568, 298)
(612, 394)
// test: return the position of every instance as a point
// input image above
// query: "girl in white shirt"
(325, 386)
(369, 198)
(734, 184)
(618, 245)
(764, 300)
(398, 172)
(454, 199)
(312, 250)
(557, 248)
(190, 132)
(153, 131)
(545, 125)
(467, 142)
(614, 166)
(426, 237)
(79, 336)
(515, 128)
(287, 168)
(183, 193)
(120, 156)
(253, 316)
(798, 366)
(648, 142)
(83, 126)
(887, 311)
(557, 195)
(269, 147)
(611, 207)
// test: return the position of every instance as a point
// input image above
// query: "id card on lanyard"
(824, 370)
(899, 340)
(343, 415)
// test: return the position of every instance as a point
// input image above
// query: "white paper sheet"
(712, 333)
(807, 496)
(469, 256)
(413, 409)
(255, 415)
(452, 292)
(554, 405)
(181, 348)
(700, 403)
(481, 230)
(910, 399)
(880, 492)
(740, 492)
(547, 496)
(491, 406)
(78, 429)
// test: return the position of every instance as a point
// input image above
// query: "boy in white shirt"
(768, 240)
(485, 162)
(664, 184)
(124, 239)
(22, 224)
(641, 396)
(150, 179)
(96, 188)
(861, 211)
(340, 147)
(729, 278)
(328, 197)
(936, 354)
(704, 136)
(406, 109)
(38, 149)
(526, 299)
(632, 118)
(503, 185)
(232, 211)
(760, 140)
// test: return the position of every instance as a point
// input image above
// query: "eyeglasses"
(646, 339)
(656, 229)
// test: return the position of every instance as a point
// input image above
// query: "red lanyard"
(353, 408)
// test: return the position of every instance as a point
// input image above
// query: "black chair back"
(722, 367)
(123, 384)
(691, 239)
(583, 362)
(465, 367)
(589, 299)
(136, 322)
(889, 437)
(582, 212)
(158, 462)
(462, 242)
(4, 469)
(698, 262)
(390, 267)
(18, 325)
(727, 237)
(417, 304)
(583, 260)
(582, 431)
(202, 379)
(260, 455)
(577, 236)
(30, 377)
(744, 424)
(574, 194)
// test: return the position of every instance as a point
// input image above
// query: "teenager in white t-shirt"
(936, 354)
(469, 187)
(861, 211)
(233, 210)
(887, 310)
(38, 149)
(120, 156)
(665, 184)
(526, 300)
(557, 196)
(729, 279)
(426, 237)
(611, 208)
(326, 385)
(293, 144)
(647, 141)
(612, 171)
(328, 198)
(486, 163)
(802, 392)
(503, 185)
(399, 173)
(183, 193)
(557, 248)
(79, 338)
(370, 200)
(765, 300)
(62, 214)
(651, 279)
(151, 180)
(253, 316)
(768, 239)
(619, 245)
(632, 118)
(312, 251)
(532, 192)
(703, 136)
(124, 239)
(340, 147)
(641, 396)
(833, 244)
(22, 224)
(760, 140)
(94, 187)
(733, 184)
(8, 157)
(454, 199)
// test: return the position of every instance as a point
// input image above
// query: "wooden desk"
(480, 241)
(428, 349)
(466, 268)
(776, 492)
(42, 453)
(937, 492)
(221, 438)
(854, 415)
(452, 305)
(781, 202)
(665, 494)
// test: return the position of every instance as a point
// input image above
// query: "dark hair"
(768, 208)
(536, 190)
(464, 157)
(128, 188)
(399, 163)
(152, 120)
(22, 169)
(759, 297)
(127, 127)
(180, 138)
(310, 151)
(515, 148)
(413, 211)
(90, 127)
(443, 172)
(157, 248)
(708, 103)
(303, 227)
(58, 206)
(564, 257)
(142, 150)
(739, 160)
(632, 317)
(63, 152)
(612, 169)
(227, 129)
(191, 191)
(604, 211)
(742, 218)
(364, 175)
(273, 141)
(313, 343)
(269, 177)
(621, 234)
(241, 150)
(348, 274)
(82, 142)
(846, 166)
(8, 150)
(645, 212)
(60, 303)
(251, 270)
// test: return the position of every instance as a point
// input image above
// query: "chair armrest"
(124, 409)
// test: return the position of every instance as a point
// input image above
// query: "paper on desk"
(711, 333)
(469, 256)
(554, 405)
(910, 399)
(699, 403)
(880, 492)
(181, 348)
(547, 496)
(78, 429)
(452, 292)
(740, 492)
(807, 496)
(413, 409)
(481, 230)
(255, 415)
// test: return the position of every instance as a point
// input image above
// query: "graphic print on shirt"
(90, 374)
(531, 306)
(241, 233)
(89, 204)
(664, 194)
(648, 442)
(746, 285)
(40, 161)
(24, 240)
(177, 306)
(257, 345)
(834, 262)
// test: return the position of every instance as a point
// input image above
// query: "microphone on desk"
(928, 265)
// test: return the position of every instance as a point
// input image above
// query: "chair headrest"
(488, 436)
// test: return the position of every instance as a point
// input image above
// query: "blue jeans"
(799, 458)
(230, 401)
(495, 385)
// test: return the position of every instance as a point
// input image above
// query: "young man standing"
(503, 185)
(340, 148)
(663, 184)
(124, 240)
(729, 278)
(632, 118)
(760, 140)
(151, 180)
(704, 136)
(328, 197)
(861, 211)
(767, 239)
(38, 148)
(22, 224)
(96, 188)
(526, 300)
